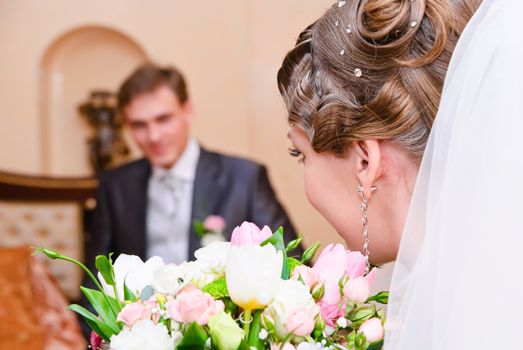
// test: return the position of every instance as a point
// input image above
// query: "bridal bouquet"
(249, 293)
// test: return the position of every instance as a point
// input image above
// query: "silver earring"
(365, 225)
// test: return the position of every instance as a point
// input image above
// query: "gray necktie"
(175, 187)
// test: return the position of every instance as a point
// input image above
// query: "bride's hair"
(372, 69)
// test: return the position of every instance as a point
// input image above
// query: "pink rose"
(331, 312)
(357, 290)
(193, 305)
(330, 267)
(214, 223)
(355, 264)
(308, 275)
(249, 234)
(131, 313)
(301, 322)
(373, 329)
(95, 341)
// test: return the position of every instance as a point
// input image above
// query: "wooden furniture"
(48, 212)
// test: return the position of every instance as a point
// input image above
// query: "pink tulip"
(355, 264)
(193, 305)
(214, 223)
(371, 276)
(308, 275)
(330, 267)
(357, 290)
(373, 329)
(249, 234)
(331, 312)
(131, 313)
(301, 322)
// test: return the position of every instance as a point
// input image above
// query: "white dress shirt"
(169, 207)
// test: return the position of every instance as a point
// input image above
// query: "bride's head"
(362, 88)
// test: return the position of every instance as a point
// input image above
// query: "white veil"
(458, 280)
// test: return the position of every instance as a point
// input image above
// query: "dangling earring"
(364, 223)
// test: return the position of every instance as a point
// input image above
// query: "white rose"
(309, 346)
(214, 255)
(292, 296)
(169, 279)
(143, 335)
(136, 274)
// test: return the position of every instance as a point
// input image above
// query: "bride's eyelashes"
(293, 152)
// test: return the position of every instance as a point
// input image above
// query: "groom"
(148, 207)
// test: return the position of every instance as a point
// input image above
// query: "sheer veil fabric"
(458, 279)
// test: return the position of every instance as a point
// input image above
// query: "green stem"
(116, 292)
(247, 319)
(56, 255)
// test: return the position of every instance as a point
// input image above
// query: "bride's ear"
(367, 155)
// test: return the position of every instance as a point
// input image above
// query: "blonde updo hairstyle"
(372, 69)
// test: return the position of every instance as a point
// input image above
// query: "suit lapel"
(139, 182)
(207, 189)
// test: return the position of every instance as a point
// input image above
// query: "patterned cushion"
(51, 225)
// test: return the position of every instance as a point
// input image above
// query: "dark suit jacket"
(234, 188)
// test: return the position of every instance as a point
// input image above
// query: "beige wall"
(230, 51)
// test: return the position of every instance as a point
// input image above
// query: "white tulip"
(253, 275)
(136, 274)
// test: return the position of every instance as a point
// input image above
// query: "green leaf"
(309, 253)
(254, 339)
(198, 228)
(106, 269)
(94, 322)
(244, 346)
(295, 243)
(381, 297)
(194, 338)
(230, 306)
(277, 241)
(376, 345)
(217, 288)
(104, 309)
(128, 294)
(293, 263)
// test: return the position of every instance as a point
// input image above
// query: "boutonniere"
(210, 230)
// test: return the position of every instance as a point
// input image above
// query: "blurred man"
(148, 207)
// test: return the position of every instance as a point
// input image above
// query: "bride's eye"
(293, 152)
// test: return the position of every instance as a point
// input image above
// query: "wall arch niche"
(82, 60)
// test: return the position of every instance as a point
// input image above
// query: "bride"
(362, 87)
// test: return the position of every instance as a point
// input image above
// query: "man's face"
(159, 124)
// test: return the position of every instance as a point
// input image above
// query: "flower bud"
(267, 322)
(320, 323)
(317, 290)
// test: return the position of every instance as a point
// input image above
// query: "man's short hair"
(148, 78)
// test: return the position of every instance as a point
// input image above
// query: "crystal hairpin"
(341, 3)
(358, 73)
(337, 23)
(342, 52)
(348, 29)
